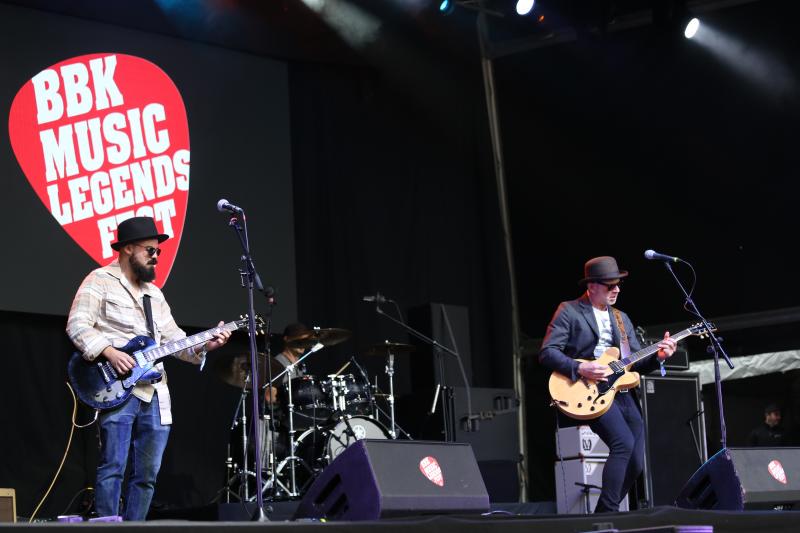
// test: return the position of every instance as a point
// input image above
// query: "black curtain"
(394, 193)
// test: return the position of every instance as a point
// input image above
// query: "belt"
(623, 391)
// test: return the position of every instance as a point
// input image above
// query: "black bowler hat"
(137, 229)
(601, 269)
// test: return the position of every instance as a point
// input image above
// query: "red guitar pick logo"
(103, 138)
(430, 468)
(776, 470)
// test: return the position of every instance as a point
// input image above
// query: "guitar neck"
(187, 342)
(653, 348)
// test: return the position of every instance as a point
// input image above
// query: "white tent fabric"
(746, 366)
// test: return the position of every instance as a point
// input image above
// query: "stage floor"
(651, 520)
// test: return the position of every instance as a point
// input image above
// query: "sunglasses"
(152, 252)
(611, 286)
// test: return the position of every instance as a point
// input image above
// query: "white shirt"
(606, 340)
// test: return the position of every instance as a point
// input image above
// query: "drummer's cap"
(296, 330)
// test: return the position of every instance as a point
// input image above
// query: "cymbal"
(325, 336)
(386, 347)
(234, 370)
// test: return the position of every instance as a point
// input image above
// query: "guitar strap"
(625, 347)
(148, 315)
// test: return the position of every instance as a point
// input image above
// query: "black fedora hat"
(137, 229)
(600, 269)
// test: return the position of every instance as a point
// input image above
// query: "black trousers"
(622, 429)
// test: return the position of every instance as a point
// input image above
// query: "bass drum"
(319, 447)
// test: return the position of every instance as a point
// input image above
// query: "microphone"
(224, 206)
(378, 298)
(655, 256)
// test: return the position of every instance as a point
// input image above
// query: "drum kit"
(307, 421)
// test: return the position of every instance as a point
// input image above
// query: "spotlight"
(524, 6)
(447, 6)
(691, 28)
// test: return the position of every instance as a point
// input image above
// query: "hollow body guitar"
(586, 399)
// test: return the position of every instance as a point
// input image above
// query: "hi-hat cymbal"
(235, 369)
(386, 347)
(324, 336)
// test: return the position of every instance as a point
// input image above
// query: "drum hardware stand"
(389, 368)
(292, 458)
(232, 469)
(400, 429)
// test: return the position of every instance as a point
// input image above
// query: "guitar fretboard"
(187, 342)
(653, 348)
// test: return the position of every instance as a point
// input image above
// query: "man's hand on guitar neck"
(593, 371)
(666, 347)
(121, 361)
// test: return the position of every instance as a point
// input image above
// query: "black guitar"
(97, 383)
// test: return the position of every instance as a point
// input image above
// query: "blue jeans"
(135, 425)
(622, 429)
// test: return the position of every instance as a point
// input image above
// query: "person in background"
(771, 432)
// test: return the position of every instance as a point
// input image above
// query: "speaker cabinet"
(375, 479)
(675, 434)
(8, 505)
(745, 478)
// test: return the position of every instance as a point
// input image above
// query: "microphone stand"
(271, 302)
(714, 347)
(250, 279)
(447, 399)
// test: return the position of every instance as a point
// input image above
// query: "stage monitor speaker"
(375, 479)
(745, 478)
(675, 434)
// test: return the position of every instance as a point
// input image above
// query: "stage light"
(691, 28)
(447, 6)
(524, 6)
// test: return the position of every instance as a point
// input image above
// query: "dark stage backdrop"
(237, 108)
(395, 194)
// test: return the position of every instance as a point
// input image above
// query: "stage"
(657, 519)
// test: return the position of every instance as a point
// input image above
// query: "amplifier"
(580, 442)
(8, 505)
(678, 361)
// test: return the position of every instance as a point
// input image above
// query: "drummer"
(292, 351)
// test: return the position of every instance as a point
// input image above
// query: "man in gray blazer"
(584, 329)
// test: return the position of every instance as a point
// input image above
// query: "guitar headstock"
(699, 329)
(242, 324)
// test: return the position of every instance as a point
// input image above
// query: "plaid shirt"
(109, 311)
